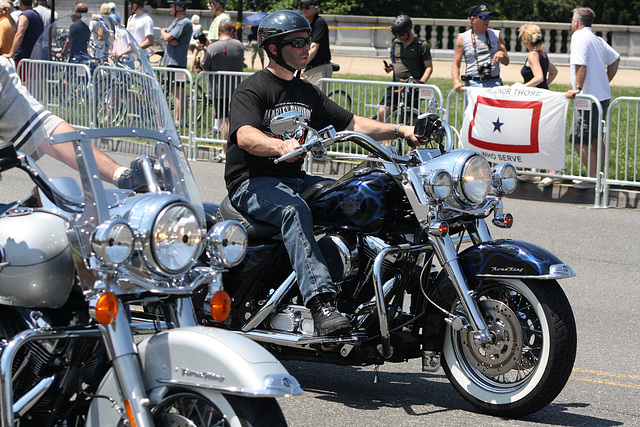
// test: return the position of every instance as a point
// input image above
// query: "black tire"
(525, 370)
(408, 116)
(222, 410)
(342, 98)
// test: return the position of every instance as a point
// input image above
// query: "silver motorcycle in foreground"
(72, 263)
(416, 271)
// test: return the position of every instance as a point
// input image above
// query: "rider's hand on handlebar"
(287, 146)
(407, 132)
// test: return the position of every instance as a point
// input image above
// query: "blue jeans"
(489, 83)
(277, 202)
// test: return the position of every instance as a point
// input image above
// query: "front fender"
(513, 259)
(209, 360)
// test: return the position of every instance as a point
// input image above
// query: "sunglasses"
(484, 17)
(297, 42)
(401, 34)
(303, 6)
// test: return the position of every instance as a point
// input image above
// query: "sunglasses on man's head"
(297, 42)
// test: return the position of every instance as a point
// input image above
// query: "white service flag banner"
(518, 124)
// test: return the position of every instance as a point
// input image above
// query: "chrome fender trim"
(211, 360)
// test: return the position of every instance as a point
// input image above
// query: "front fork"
(123, 354)
(448, 256)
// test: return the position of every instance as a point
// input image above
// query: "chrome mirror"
(286, 123)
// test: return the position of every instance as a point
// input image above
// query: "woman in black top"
(538, 70)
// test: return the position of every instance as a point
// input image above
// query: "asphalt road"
(602, 246)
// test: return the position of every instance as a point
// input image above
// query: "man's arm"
(581, 75)
(23, 24)
(147, 42)
(428, 69)
(65, 153)
(165, 36)
(613, 69)
(501, 55)
(381, 131)
(458, 50)
(256, 142)
(313, 50)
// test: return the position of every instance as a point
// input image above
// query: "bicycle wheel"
(342, 98)
(405, 115)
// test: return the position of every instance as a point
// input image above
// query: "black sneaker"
(327, 320)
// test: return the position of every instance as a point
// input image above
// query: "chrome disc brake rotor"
(505, 350)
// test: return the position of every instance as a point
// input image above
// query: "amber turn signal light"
(220, 306)
(106, 308)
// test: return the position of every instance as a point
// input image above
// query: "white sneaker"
(547, 181)
(584, 185)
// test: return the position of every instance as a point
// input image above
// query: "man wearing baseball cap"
(319, 65)
(483, 50)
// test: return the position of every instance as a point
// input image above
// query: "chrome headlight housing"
(474, 179)
(176, 238)
(112, 242)
(227, 243)
(504, 178)
(438, 184)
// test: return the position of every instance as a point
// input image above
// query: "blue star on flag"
(497, 125)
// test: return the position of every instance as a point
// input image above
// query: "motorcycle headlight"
(176, 240)
(476, 179)
(227, 243)
(112, 242)
(504, 178)
(438, 184)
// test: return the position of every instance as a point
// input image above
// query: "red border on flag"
(536, 106)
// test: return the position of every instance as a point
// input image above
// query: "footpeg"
(430, 361)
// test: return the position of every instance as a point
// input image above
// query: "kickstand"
(376, 374)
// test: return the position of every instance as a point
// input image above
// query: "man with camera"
(483, 50)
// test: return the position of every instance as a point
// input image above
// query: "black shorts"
(585, 123)
(395, 95)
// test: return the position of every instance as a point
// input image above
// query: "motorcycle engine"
(341, 254)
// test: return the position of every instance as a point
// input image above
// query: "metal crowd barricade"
(622, 142)
(128, 98)
(367, 98)
(177, 86)
(62, 87)
(209, 107)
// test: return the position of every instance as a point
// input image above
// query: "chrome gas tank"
(36, 265)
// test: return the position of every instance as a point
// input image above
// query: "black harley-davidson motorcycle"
(417, 273)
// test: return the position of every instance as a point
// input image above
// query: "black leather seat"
(259, 230)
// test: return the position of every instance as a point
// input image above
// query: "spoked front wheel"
(530, 357)
(193, 409)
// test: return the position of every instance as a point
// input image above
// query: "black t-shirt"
(320, 35)
(79, 32)
(257, 100)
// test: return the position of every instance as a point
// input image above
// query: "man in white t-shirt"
(140, 25)
(593, 65)
(45, 12)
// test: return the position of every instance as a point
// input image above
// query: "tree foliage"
(617, 12)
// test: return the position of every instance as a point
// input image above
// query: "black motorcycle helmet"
(401, 25)
(275, 26)
(183, 3)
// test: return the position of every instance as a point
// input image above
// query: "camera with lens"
(202, 38)
(484, 70)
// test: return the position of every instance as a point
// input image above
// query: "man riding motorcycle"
(271, 192)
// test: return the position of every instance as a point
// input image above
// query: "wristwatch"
(579, 88)
(396, 131)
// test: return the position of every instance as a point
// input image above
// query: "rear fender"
(512, 259)
(211, 361)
